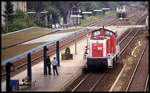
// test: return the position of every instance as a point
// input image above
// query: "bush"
(3, 29)
(55, 14)
(31, 22)
(17, 25)
(67, 55)
(20, 22)
(67, 51)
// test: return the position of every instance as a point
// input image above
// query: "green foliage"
(8, 14)
(3, 29)
(19, 14)
(31, 22)
(55, 14)
(57, 10)
(8, 11)
(61, 8)
(91, 5)
(19, 22)
(90, 19)
(17, 25)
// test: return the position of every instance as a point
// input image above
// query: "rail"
(146, 85)
(80, 83)
(41, 46)
(100, 77)
(131, 79)
(128, 43)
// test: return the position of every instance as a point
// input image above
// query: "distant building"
(75, 17)
(22, 5)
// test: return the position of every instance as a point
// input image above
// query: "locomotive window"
(110, 33)
(107, 33)
(97, 33)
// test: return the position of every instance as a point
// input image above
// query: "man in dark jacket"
(49, 65)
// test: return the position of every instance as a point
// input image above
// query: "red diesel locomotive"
(103, 49)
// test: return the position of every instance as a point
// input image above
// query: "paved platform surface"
(68, 70)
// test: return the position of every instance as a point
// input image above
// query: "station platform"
(68, 71)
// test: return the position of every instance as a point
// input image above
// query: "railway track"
(37, 56)
(124, 43)
(115, 21)
(98, 78)
(90, 81)
(85, 84)
(139, 80)
(9, 44)
(132, 16)
(98, 81)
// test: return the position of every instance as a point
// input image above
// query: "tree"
(8, 14)
(66, 11)
(19, 21)
(55, 13)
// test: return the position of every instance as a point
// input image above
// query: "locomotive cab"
(102, 48)
(121, 13)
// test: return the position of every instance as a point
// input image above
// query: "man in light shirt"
(55, 63)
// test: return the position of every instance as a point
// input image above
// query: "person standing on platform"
(116, 34)
(85, 52)
(55, 63)
(49, 64)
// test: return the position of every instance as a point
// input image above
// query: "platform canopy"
(41, 46)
